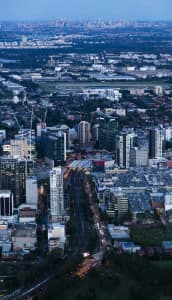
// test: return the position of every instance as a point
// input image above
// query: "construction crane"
(18, 124)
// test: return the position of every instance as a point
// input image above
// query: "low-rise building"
(27, 214)
(130, 247)
(56, 237)
(167, 247)
(24, 237)
(5, 237)
(118, 233)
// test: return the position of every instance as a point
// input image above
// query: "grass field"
(163, 264)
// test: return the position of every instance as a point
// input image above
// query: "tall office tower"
(32, 191)
(139, 157)
(13, 173)
(155, 143)
(167, 133)
(54, 146)
(61, 128)
(84, 133)
(6, 204)
(95, 132)
(64, 128)
(107, 133)
(56, 193)
(124, 142)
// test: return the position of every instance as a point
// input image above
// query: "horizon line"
(82, 20)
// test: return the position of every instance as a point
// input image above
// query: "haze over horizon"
(12, 10)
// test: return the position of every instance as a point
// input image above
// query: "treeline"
(124, 277)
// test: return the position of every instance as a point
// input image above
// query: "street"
(81, 225)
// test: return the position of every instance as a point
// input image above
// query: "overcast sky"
(85, 9)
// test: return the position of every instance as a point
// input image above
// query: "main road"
(81, 236)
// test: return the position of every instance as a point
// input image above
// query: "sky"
(86, 9)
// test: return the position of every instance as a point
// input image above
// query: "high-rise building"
(60, 128)
(6, 204)
(32, 190)
(138, 157)
(56, 193)
(29, 136)
(155, 143)
(167, 133)
(24, 145)
(64, 128)
(107, 133)
(2, 135)
(84, 133)
(13, 173)
(124, 142)
(54, 145)
(95, 132)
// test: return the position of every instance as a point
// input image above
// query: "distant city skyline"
(85, 9)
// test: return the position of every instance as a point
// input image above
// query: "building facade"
(155, 143)
(54, 146)
(13, 173)
(56, 193)
(84, 133)
(108, 129)
(32, 190)
(124, 143)
(138, 157)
